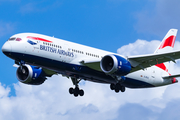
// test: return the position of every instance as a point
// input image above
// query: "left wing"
(144, 61)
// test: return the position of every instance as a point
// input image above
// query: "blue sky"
(125, 26)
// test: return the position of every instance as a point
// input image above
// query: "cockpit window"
(18, 39)
(11, 39)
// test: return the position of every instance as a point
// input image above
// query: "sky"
(127, 27)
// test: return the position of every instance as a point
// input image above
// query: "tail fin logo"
(168, 42)
(162, 66)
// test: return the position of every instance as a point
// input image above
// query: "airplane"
(39, 56)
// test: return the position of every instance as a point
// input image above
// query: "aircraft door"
(153, 75)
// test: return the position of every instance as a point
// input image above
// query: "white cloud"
(139, 47)
(51, 100)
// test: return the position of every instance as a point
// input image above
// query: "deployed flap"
(144, 61)
(171, 76)
(95, 64)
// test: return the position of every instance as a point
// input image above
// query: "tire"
(75, 94)
(71, 90)
(112, 86)
(81, 92)
(116, 90)
(118, 86)
(76, 91)
(123, 89)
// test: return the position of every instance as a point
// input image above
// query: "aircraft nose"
(6, 48)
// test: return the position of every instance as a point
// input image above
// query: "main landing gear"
(76, 91)
(117, 87)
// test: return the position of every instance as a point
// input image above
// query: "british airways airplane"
(39, 56)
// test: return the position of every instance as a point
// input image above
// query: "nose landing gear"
(76, 91)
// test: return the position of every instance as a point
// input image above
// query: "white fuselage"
(65, 58)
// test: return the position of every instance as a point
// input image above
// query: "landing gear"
(117, 87)
(76, 91)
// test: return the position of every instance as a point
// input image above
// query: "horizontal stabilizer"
(171, 76)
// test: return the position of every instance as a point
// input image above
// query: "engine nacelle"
(30, 75)
(115, 65)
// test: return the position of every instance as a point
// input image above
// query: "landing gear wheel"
(117, 87)
(112, 86)
(116, 90)
(71, 90)
(123, 89)
(81, 92)
(75, 94)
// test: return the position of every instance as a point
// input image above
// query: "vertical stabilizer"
(166, 45)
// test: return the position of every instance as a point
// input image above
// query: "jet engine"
(115, 65)
(30, 75)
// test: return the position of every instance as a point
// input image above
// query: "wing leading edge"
(144, 61)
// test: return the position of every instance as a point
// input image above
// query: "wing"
(93, 64)
(144, 61)
(139, 62)
(49, 72)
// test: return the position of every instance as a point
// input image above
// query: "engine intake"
(114, 64)
(30, 75)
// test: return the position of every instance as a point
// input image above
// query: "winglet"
(167, 43)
